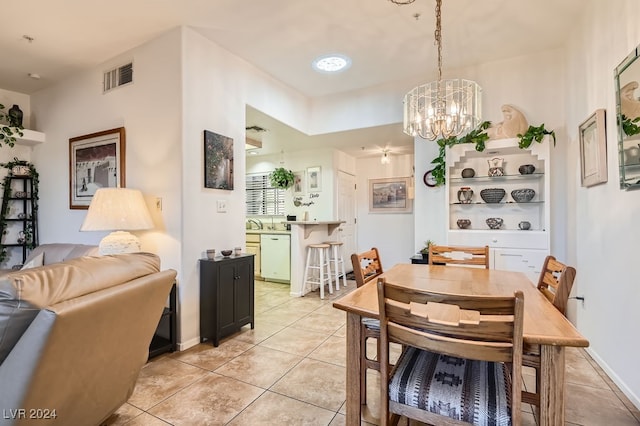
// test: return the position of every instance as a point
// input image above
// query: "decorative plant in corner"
(425, 250)
(281, 178)
(479, 137)
(630, 127)
(8, 133)
(6, 195)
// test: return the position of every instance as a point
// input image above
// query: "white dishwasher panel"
(275, 256)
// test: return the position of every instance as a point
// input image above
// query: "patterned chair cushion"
(371, 323)
(472, 391)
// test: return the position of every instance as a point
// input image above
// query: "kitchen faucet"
(256, 221)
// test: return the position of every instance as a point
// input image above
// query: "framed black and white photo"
(389, 195)
(593, 149)
(96, 161)
(314, 179)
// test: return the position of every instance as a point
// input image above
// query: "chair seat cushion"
(371, 323)
(468, 390)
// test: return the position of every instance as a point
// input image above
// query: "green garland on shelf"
(8, 134)
(479, 137)
(6, 193)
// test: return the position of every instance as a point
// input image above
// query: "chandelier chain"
(438, 36)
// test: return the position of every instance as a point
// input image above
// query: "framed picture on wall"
(298, 183)
(218, 161)
(389, 195)
(314, 179)
(96, 161)
(593, 149)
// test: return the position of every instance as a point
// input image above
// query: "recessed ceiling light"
(331, 63)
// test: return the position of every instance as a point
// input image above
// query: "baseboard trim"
(615, 378)
(182, 346)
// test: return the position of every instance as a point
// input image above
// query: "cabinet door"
(254, 249)
(528, 261)
(244, 292)
(225, 302)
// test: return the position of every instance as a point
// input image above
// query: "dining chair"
(461, 361)
(555, 282)
(366, 267)
(459, 255)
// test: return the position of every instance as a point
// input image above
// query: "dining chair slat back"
(452, 255)
(555, 283)
(448, 338)
(366, 266)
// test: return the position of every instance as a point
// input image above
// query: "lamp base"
(119, 242)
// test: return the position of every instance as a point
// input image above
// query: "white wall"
(391, 233)
(603, 221)
(322, 207)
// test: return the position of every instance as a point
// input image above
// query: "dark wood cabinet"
(226, 296)
(164, 339)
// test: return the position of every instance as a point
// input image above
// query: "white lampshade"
(117, 209)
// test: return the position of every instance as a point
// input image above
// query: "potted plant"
(425, 250)
(281, 178)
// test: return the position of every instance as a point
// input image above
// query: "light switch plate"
(222, 206)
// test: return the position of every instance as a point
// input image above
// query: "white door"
(346, 210)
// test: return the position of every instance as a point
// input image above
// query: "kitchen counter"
(304, 233)
(267, 231)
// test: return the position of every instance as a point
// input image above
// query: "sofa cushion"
(24, 293)
(59, 252)
(35, 262)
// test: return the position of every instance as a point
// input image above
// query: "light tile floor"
(290, 370)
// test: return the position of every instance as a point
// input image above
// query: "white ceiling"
(282, 37)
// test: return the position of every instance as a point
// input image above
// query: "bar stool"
(318, 259)
(335, 259)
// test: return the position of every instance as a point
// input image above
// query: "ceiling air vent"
(118, 77)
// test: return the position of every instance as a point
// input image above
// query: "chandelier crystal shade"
(442, 108)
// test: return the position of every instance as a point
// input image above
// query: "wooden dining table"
(543, 325)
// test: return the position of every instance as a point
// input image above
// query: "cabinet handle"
(510, 255)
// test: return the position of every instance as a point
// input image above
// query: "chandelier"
(441, 108)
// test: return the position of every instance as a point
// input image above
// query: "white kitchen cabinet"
(528, 261)
(511, 247)
(275, 253)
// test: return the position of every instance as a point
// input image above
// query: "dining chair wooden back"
(461, 359)
(366, 267)
(451, 255)
(555, 282)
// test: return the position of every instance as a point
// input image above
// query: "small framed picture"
(218, 161)
(593, 149)
(96, 161)
(298, 183)
(314, 179)
(389, 195)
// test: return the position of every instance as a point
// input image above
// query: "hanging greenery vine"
(479, 137)
(7, 193)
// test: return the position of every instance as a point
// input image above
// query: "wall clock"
(428, 179)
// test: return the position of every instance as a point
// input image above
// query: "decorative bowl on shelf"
(523, 195)
(226, 253)
(463, 223)
(524, 225)
(492, 195)
(468, 173)
(495, 222)
(527, 169)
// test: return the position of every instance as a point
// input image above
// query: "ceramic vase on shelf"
(465, 194)
(496, 167)
(15, 116)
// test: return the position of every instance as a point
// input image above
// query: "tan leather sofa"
(74, 336)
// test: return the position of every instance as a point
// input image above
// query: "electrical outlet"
(222, 206)
(159, 204)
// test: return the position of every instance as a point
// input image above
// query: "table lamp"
(119, 210)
